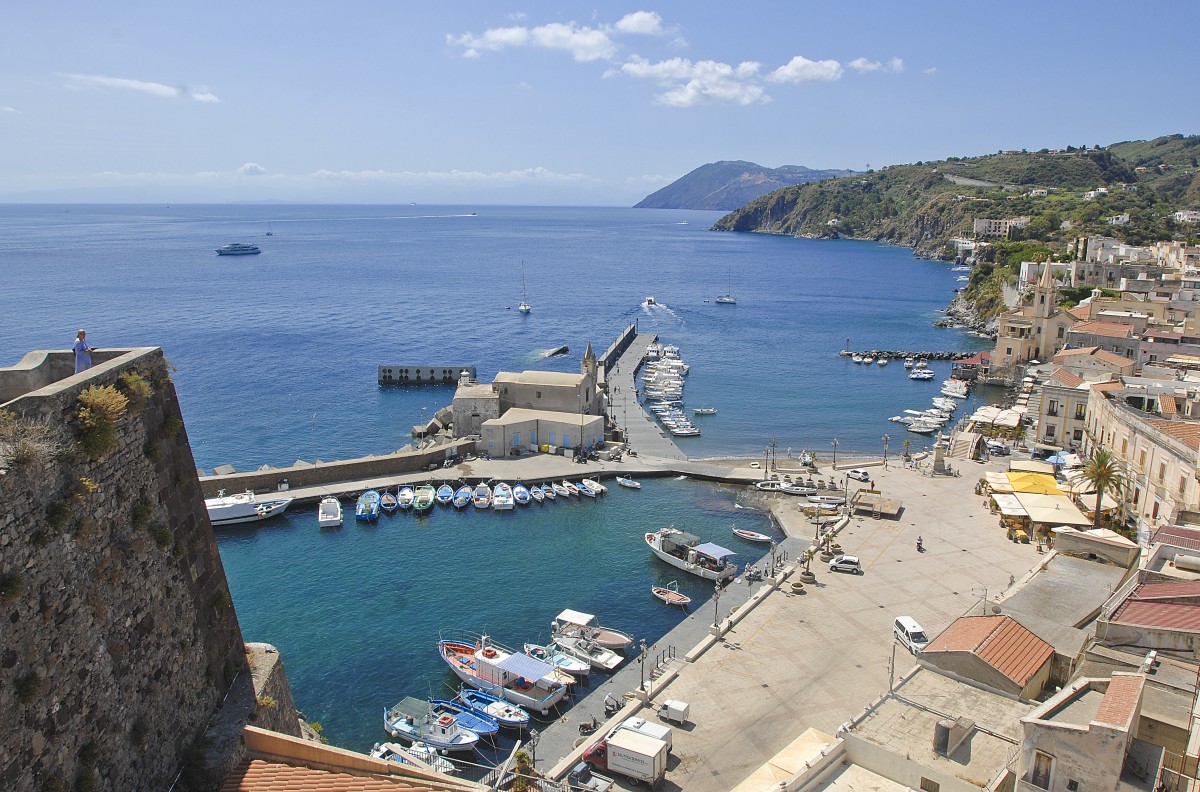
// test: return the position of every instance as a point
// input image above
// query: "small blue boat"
(520, 494)
(481, 723)
(405, 497)
(413, 720)
(388, 502)
(462, 498)
(367, 507)
(503, 712)
(548, 492)
(445, 495)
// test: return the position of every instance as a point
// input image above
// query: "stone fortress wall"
(118, 637)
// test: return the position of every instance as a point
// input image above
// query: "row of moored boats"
(662, 384)
(934, 418)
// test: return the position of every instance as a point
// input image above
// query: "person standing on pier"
(83, 352)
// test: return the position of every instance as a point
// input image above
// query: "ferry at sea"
(237, 249)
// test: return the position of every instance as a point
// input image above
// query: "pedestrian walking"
(83, 352)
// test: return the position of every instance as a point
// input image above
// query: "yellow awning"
(1038, 483)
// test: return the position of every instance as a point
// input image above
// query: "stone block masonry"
(119, 637)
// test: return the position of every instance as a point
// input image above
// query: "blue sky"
(542, 103)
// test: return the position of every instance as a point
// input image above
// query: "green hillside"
(728, 184)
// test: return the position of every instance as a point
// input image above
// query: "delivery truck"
(633, 755)
(643, 726)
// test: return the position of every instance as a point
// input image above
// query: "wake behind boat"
(243, 507)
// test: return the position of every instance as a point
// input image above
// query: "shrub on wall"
(101, 406)
(136, 387)
(25, 442)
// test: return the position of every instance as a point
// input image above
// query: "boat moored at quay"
(684, 551)
(243, 507)
(518, 678)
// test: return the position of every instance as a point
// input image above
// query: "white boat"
(414, 720)
(882, 361)
(587, 650)
(671, 595)
(536, 493)
(868, 360)
(752, 536)
(237, 249)
(570, 488)
(423, 755)
(548, 491)
(502, 497)
(827, 500)
(774, 485)
(922, 374)
(553, 654)
(650, 301)
(329, 513)
(523, 306)
(797, 489)
(628, 483)
(909, 362)
(483, 496)
(684, 551)
(705, 411)
(243, 507)
(561, 490)
(945, 403)
(588, 626)
(728, 298)
(406, 496)
(857, 358)
(585, 490)
(922, 363)
(599, 488)
(514, 676)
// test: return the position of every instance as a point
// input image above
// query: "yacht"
(523, 306)
(237, 249)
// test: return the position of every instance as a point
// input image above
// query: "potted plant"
(807, 556)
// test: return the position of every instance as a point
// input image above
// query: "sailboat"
(269, 231)
(523, 306)
(728, 297)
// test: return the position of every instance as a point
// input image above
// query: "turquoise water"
(276, 359)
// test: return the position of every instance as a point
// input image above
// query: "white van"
(643, 726)
(910, 634)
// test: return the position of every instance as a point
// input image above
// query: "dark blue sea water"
(276, 359)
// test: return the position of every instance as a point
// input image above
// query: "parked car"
(846, 563)
(858, 474)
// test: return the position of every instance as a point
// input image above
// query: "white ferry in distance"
(237, 249)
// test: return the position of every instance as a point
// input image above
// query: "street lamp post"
(642, 662)
(835, 444)
(886, 439)
(774, 549)
(717, 610)
(534, 734)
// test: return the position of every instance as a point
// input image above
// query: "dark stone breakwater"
(892, 354)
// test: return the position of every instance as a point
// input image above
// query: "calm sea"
(277, 358)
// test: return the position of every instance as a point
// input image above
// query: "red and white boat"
(671, 595)
(752, 536)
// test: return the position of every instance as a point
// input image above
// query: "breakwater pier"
(404, 374)
(899, 354)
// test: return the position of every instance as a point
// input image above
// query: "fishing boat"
(482, 498)
(589, 626)
(561, 490)
(773, 485)
(520, 494)
(462, 496)
(367, 507)
(588, 650)
(413, 720)
(570, 488)
(827, 500)
(329, 513)
(502, 497)
(518, 678)
(405, 497)
(705, 411)
(481, 724)
(549, 491)
(797, 489)
(752, 536)
(424, 755)
(444, 495)
(596, 486)
(684, 551)
(536, 493)
(243, 507)
(553, 654)
(503, 712)
(388, 502)
(628, 483)
(585, 490)
(424, 498)
(671, 595)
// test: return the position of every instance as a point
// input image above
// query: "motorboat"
(773, 485)
(462, 497)
(444, 495)
(628, 483)
(909, 362)
(487, 666)
(588, 650)
(237, 249)
(671, 595)
(549, 491)
(482, 724)
(857, 358)
(650, 301)
(388, 502)
(405, 497)
(588, 626)
(561, 490)
(882, 361)
(827, 500)
(413, 720)
(570, 488)
(535, 493)
(502, 497)
(752, 536)
(482, 498)
(922, 374)
(685, 551)
(945, 403)
(796, 489)
(367, 507)
(705, 411)
(424, 755)
(424, 498)
(552, 653)
(520, 494)
(868, 360)
(599, 488)
(585, 490)
(503, 712)
(922, 363)
(243, 507)
(329, 513)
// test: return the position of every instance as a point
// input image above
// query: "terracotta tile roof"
(999, 641)
(1065, 378)
(1107, 329)
(1187, 431)
(1080, 312)
(1121, 700)
(1074, 352)
(1108, 386)
(1186, 589)
(1170, 606)
(1167, 406)
(1178, 536)
(258, 775)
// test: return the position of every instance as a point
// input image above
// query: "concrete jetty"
(405, 374)
(643, 433)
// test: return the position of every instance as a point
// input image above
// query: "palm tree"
(1103, 471)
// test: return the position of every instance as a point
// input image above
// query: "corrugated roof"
(999, 641)
(1120, 700)
(1187, 431)
(1107, 329)
(258, 775)
(1178, 536)
(1184, 589)
(1165, 615)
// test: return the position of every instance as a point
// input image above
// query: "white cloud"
(895, 65)
(861, 65)
(802, 70)
(646, 23)
(584, 43)
(698, 83)
(7, 109)
(930, 70)
(140, 86)
(251, 169)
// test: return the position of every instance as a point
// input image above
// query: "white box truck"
(633, 755)
(643, 726)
